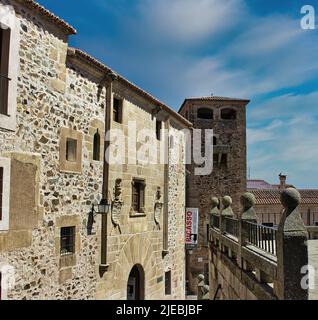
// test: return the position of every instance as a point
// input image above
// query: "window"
(4, 69)
(117, 110)
(71, 142)
(158, 129)
(67, 241)
(220, 159)
(96, 147)
(1, 191)
(71, 149)
(228, 114)
(205, 113)
(138, 196)
(168, 283)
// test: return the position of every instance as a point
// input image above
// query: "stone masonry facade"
(227, 118)
(61, 102)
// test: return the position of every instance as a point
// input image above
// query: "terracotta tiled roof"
(42, 11)
(265, 197)
(83, 55)
(213, 98)
(258, 184)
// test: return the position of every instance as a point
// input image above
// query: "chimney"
(282, 179)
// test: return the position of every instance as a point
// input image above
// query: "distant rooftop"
(269, 194)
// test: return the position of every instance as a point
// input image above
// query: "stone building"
(227, 118)
(268, 207)
(56, 102)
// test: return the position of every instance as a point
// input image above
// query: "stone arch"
(138, 250)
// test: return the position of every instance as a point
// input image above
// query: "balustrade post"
(292, 250)
(201, 283)
(226, 212)
(248, 215)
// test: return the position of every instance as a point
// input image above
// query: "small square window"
(158, 129)
(71, 149)
(67, 241)
(168, 283)
(117, 110)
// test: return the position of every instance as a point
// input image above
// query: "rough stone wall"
(54, 94)
(224, 180)
(232, 288)
(175, 261)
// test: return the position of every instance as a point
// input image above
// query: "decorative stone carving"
(248, 201)
(215, 206)
(117, 203)
(158, 207)
(227, 209)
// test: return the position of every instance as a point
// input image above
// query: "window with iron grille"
(71, 149)
(158, 129)
(67, 240)
(168, 283)
(1, 191)
(117, 110)
(4, 69)
(138, 195)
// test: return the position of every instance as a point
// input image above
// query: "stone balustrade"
(252, 261)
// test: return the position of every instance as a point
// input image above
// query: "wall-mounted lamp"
(98, 209)
(101, 208)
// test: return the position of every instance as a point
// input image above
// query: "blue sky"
(240, 48)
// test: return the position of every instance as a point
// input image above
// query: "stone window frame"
(69, 260)
(142, 212)
(70, 166)
(10, 20)
(5, 163)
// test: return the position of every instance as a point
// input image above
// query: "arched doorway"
(136, 283)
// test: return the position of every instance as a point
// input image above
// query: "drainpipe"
(105, 194)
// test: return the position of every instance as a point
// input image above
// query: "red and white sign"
(191, 232)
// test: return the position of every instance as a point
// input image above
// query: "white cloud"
(190, 21)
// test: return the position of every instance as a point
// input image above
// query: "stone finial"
(290, 198)
(227, 209)
(205, 292)
(215, 206)
(248, 213)
(292, 250)
(201, 283)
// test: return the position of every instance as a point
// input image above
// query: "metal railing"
(4, 87)
(231, 226)
(215, 221)
(261, 236)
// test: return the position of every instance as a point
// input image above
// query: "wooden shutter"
(135, 197)
(141, 195)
